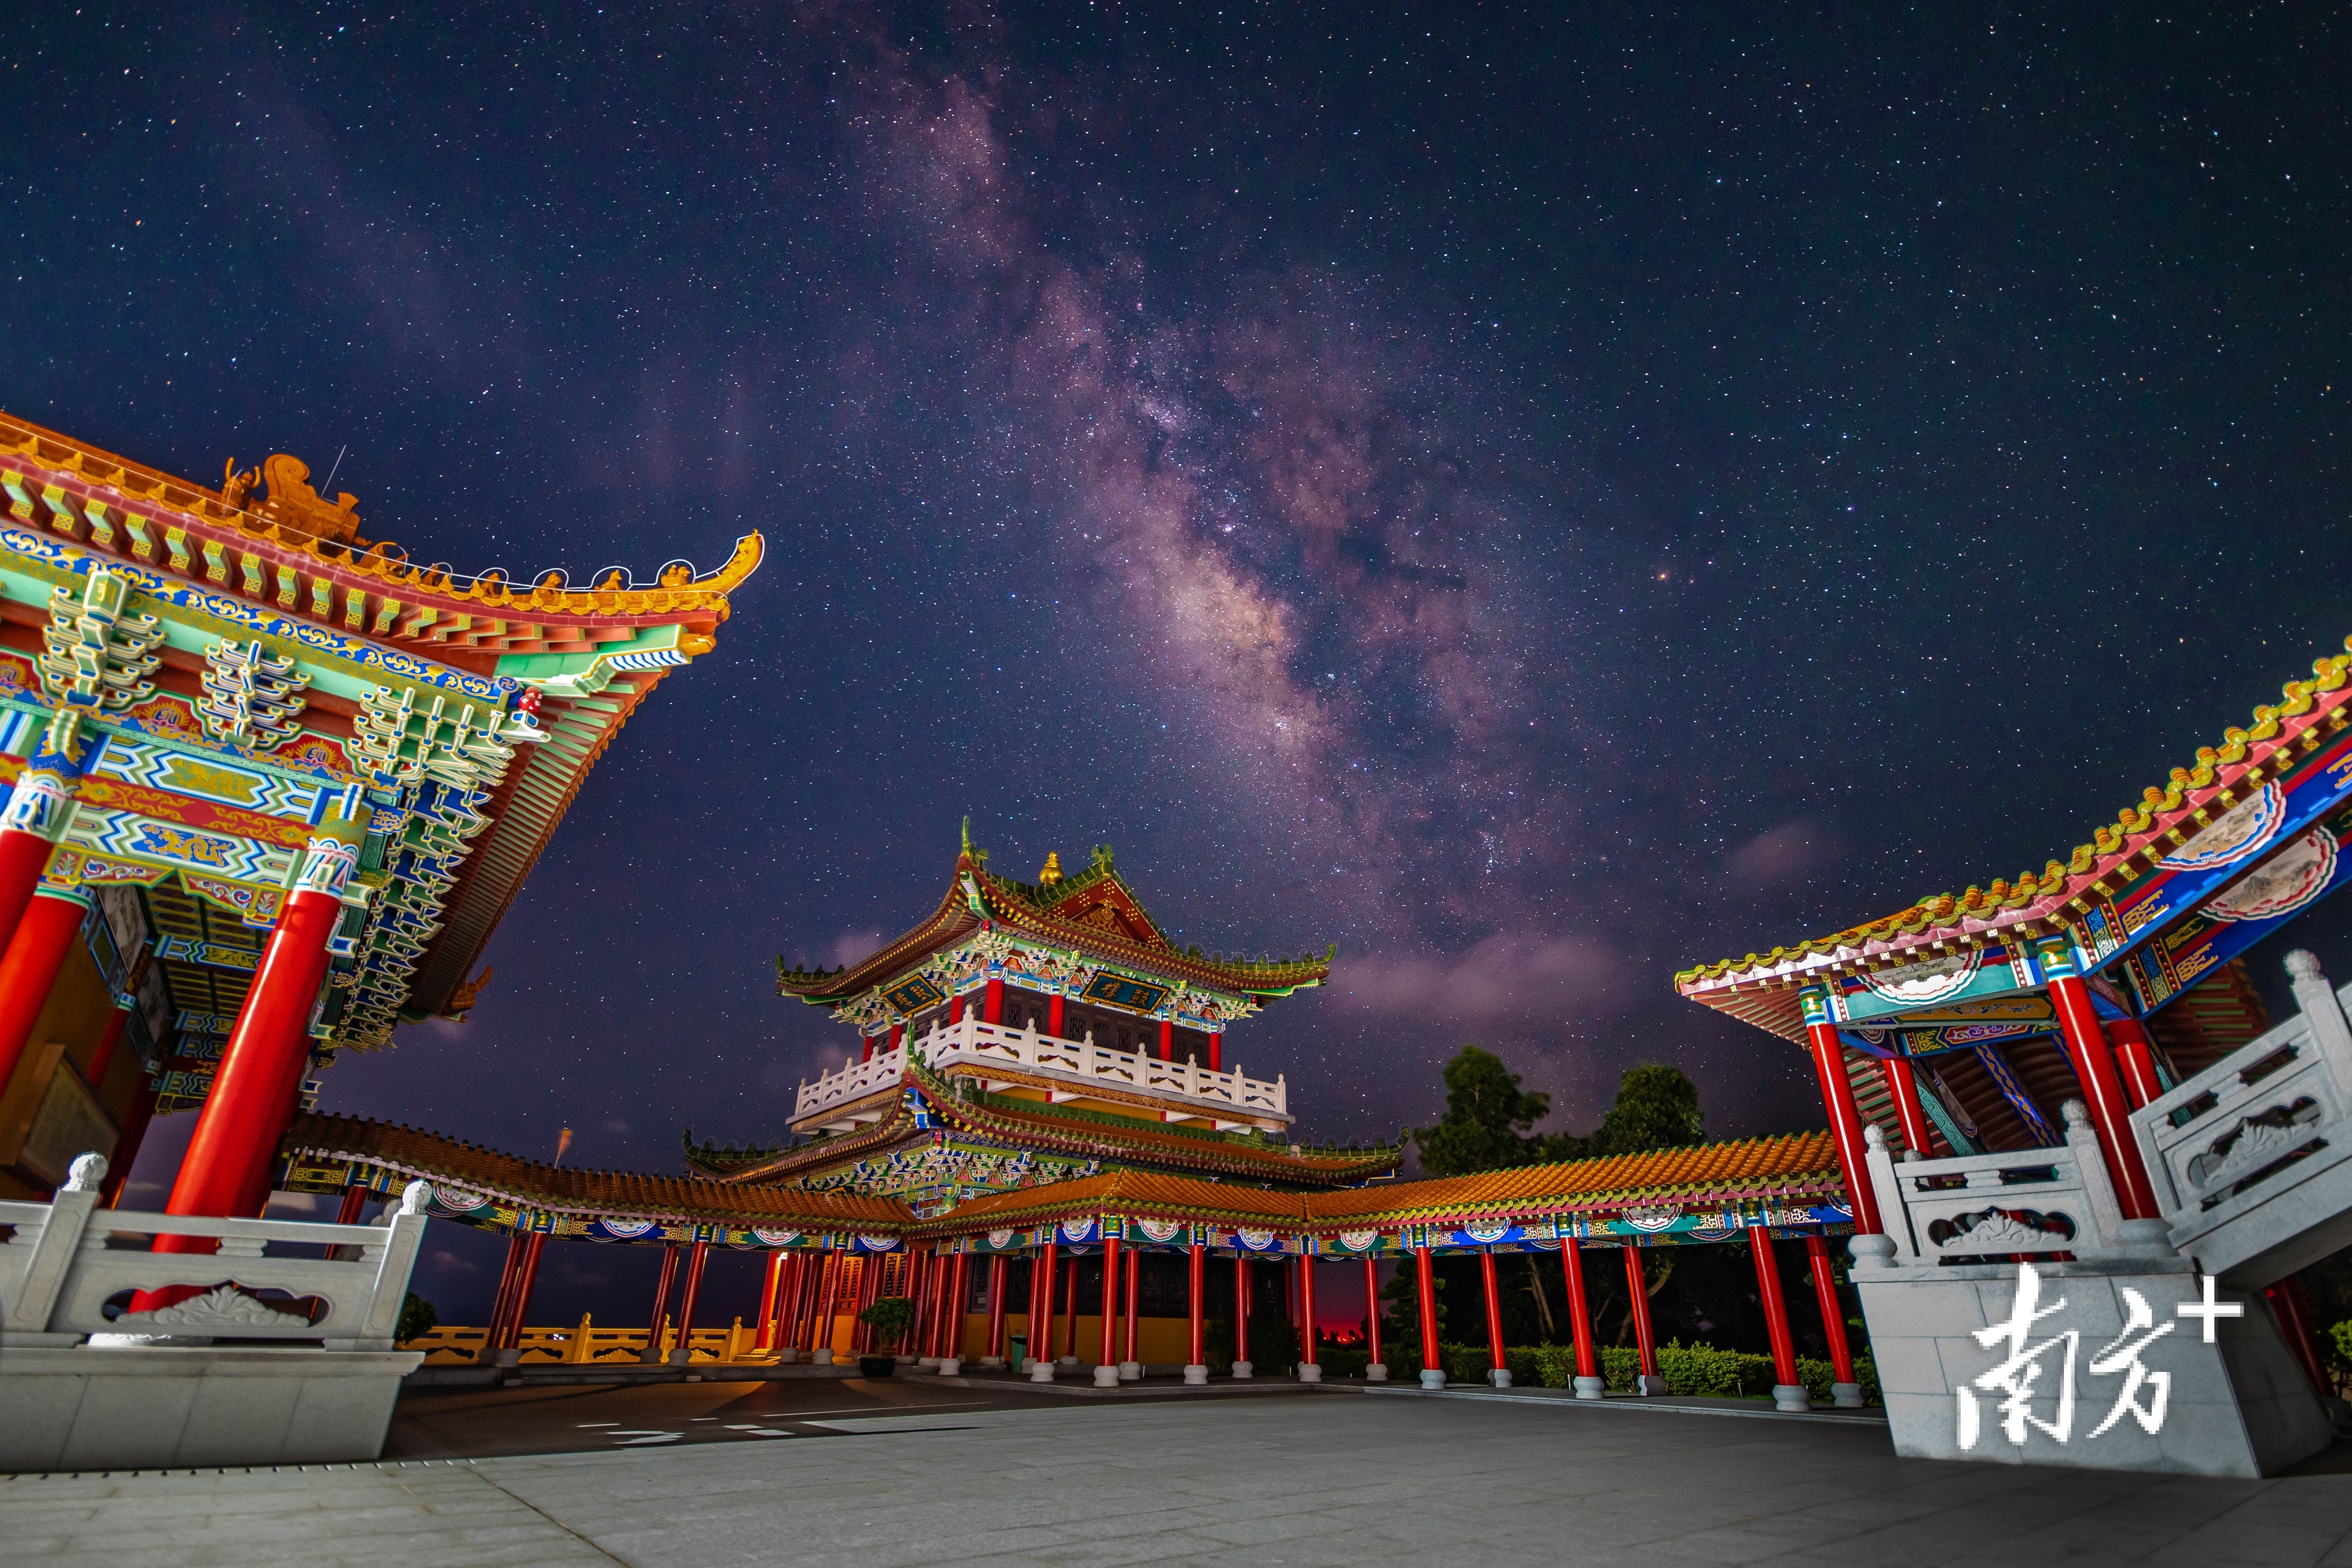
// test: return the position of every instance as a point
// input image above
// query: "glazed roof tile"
(1094, 912)
(2283, 736)
(568, 1190)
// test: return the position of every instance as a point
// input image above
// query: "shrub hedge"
(1687, 1368)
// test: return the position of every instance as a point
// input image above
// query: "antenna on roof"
(329, 488)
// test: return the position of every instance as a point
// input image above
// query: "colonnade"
(805, 1293)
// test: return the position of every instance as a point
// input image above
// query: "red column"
(1110, 1300)
(261, 1067)
(2135, 1054)
(768, 1300)
(1067, 1337)
(44, 936)
(2103, 1087)
(958, 1294)
(993, 1006)
(1166, 1039)
(865, 1048)
(40, 808)
(1134, 1318)
(944, 1304)
(955, 1009)
(1054, 1016)
(102, 1058)
(653, 1349)
(897, 1034)
(1638, 1291)
(1041, 1303)
(1846, 1117)
(1817, 1253)
(354, 1203)
(1903, 1083)
(695, 1258)
(1306, 1309)
(996, 1282)
(523, 1288)
(828, 1288)
(1580, 1312)
(1372, 1309)
(1199, 1272)
(1431, 1360)
(508, 1272)
(1241, 1307)
(1776, 1307)
(1216, 1051)
(1494, 1310)
(911, 1284)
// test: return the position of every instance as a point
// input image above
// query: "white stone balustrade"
(1225, 1097)
(2024, 1203)
(57, 1274)
(2252, 1159)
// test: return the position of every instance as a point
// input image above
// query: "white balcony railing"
(58, 1275)
(1221, 1096)
(1997, 1206)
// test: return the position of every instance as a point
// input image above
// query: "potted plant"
(889, 1317)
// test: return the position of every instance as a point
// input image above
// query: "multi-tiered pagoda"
(1028, 1033)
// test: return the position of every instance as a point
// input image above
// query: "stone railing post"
(2324, 1009)
(2082, 1143)
(1281, 1095)
(399, 1259)
(1878, 1170)
(35, 1294)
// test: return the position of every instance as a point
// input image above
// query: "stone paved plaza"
(1333, 1478)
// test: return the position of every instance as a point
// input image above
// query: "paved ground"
(1337, 1478)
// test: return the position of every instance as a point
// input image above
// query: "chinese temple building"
(2089, 1033)
(272, 787)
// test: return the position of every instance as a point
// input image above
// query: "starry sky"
(1537, 497)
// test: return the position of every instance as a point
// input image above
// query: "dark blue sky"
(1534, 500)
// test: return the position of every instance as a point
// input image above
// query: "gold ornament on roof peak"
(1051, 872)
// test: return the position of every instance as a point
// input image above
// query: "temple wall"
(64, 1038)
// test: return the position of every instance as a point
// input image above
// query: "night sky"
(1538, 500)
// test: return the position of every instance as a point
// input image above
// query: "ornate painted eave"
(1055, 914)
(554, 1189)
(291, 572)
(1762, 989)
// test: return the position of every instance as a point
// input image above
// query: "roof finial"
(967, 835)
(1051, 872)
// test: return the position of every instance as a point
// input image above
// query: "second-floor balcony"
(1071, 1069)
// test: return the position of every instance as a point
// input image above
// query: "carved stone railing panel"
(2252, 1159)
(58, 1275)
(1995, 1208)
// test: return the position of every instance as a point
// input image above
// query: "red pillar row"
(1241, 1307)
(1825, 1290)
(1645, 1338)
(768, 1287)
(1110, 1349)
(1846, 1117)
(1134, 1310)
(653, 1349)
(1580, 1314)
(1054, 1016)
(1372, 1309)
(1903, 1083)
(1306, 1309)
(992, 1007)
(696, 1257)
(1166, 1039)
(1493, 1310)
(2136, 1056)
(1217, 1051)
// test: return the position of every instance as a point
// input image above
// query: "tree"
(1486, 1121)
(1657, 1108)
(889, 1317)
(418, 1317)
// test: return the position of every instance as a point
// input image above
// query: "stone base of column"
(1377, 1373)
(952, 1366)
(1130, 1372)
(903, 1360)
(1067, 1364)
(821, 1357)
(1589, 1387)
(649, 1357)
(788, 1355)
(1028, 1364)
(992, 1363)
(1791, 1396)
(1244, 1370)
(1499, 1377)
(1041, 1371)
(1195, 1375)
(1845, 1395)
(1432, 1378)
(1309, 1371)
(680, 1356)
(1106, 1374)
(1649, 1383)
(929, 1362)
(512, 1357)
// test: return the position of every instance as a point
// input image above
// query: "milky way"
(1534, 504)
